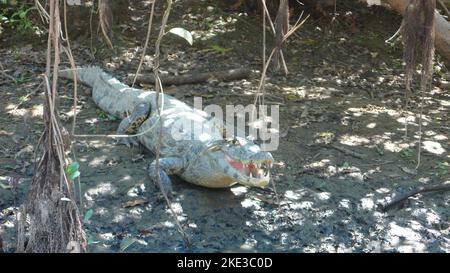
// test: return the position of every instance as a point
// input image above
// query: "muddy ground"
(345, 88)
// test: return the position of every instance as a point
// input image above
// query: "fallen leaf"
(304, 114)
(284, 132)
(126, 243)
(409, 171)
(5, 187)
(26, 149)
(183, 33)
(146, 232)
(220, 49)
(138, 157)
(291, 97)
(134, 203)
(309, 41)
(265, 199)
(203, 95)
(5, 133)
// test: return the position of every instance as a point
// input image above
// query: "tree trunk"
(442, 41)
(49, 220)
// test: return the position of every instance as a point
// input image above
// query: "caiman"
(198, 153)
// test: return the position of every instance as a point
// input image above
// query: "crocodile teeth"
(261, 173)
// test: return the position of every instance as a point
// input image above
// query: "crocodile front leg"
(128, 141)
(167, 166)
(130, 124)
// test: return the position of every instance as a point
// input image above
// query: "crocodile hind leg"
(131, 124)
(167, 166)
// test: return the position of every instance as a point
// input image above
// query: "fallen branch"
(346, 151)
(225, 75)
(402, 198)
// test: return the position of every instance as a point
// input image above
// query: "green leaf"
(74, 175)
(72, 170)
(88, 215)
(183, 33)
(73, 167)
(126, 243)
(23, 14)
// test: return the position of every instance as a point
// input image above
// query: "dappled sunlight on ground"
(343, 149)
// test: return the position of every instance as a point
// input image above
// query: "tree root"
(402, 198)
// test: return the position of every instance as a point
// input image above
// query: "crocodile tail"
(108, 93)
(87, 75)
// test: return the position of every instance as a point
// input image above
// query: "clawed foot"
(128, 141)
(167, 189)
(167, 166)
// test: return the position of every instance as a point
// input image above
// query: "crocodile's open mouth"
(252, 172)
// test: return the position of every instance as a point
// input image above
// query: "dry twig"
(105, 16)
(160, 93)
(444, 7)
(147, 39)
(6, 75)
(260, 93)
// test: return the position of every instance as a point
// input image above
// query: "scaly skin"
(200, 156)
